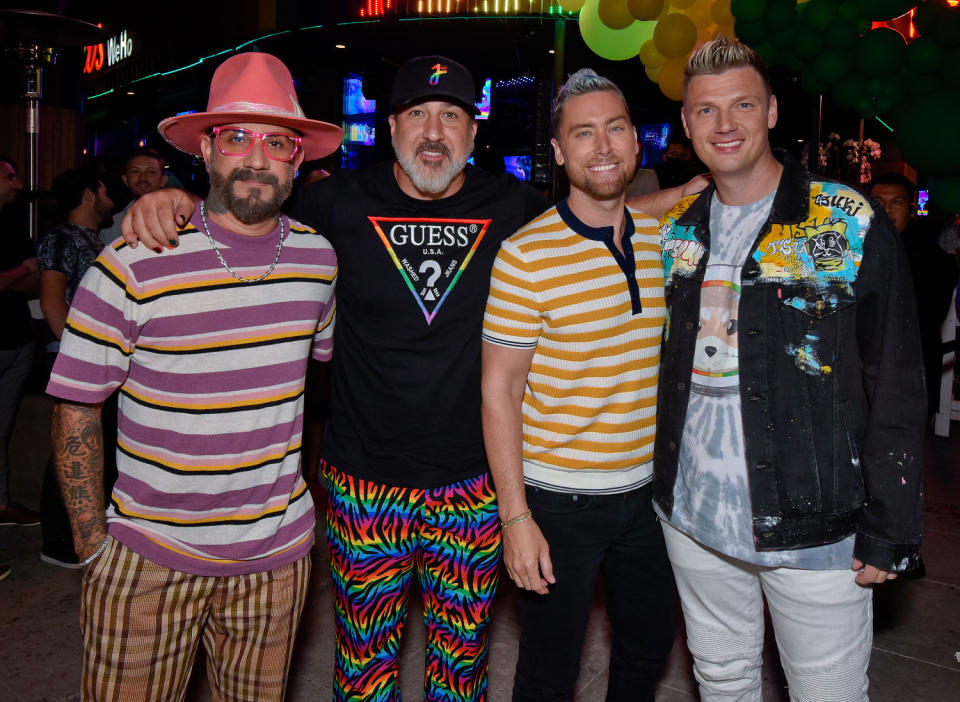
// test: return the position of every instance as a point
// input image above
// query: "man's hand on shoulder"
(527, 557)
(696, 184)
(154, 217)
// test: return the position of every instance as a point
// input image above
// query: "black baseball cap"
(433, 78)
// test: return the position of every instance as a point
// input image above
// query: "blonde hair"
(721, 55)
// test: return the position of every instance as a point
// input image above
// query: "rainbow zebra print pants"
(378, 536)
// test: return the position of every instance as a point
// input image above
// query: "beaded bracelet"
(90, 559)
(516, 520)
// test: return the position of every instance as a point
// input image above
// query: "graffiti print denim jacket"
(831, 378)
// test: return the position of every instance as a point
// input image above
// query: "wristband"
(90, 559)
(516, 520)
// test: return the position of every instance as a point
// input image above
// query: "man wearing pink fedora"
(409, 488)
(209, 528)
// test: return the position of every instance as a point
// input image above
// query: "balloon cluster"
(831, 46)
(661, 32)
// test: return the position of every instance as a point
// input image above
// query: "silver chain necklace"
(206, 230)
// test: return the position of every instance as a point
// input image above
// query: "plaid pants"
(141, 624)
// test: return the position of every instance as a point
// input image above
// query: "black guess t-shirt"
(412, 287)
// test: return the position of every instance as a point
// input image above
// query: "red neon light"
(374, 8)
(93, 58)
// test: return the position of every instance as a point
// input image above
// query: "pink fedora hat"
(252, 87)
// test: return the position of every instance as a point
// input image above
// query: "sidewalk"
(915, 655)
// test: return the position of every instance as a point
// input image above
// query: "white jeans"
(822, 619)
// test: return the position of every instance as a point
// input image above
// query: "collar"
(68, 226)
(604, 234)
(791, 204)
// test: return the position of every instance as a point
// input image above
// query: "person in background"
(644, 180)
(934, 271)
(19, 282)
(675, 169)
(65, 253)
(790, 425)
(143, 173)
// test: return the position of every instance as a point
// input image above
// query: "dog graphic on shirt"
(715, 355)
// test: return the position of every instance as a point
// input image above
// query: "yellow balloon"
(721, 12)
(652, 73)
(727, 30)
(700, 13)
(708, 33)
(675, 35)
(612, 44)
(571, 5)
(670, 79)
(615, 13)
(650, 56)
(681, 4)
(646, 9)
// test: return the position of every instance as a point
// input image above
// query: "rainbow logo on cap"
(438, 70)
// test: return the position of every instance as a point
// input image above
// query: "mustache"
(437, 146)
(250, 174)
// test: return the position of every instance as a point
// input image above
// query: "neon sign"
(118, 48)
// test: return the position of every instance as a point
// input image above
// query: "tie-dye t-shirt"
(712, 496)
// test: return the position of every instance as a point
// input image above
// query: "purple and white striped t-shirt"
(211, 374)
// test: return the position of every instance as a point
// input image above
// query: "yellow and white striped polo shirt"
(595, 317)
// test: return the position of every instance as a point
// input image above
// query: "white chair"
(949, 409)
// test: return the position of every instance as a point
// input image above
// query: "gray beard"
(427, 179)
(251, 209)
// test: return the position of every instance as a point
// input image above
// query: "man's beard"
(429, 179)
(250, 209)
(600, 191)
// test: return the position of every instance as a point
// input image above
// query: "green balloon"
(840, 35)
(612, 44)
(768, 52)
(936, 20)
(849, 89)
(791, 62)
(748, 10)
(924, 55)
(925, 133)
(809, 42)
(785, 38)
(848, 12)
(781, 14)
(865, 107)
(882, 106)
(945, 193)
(820, 13)
(750, 33)
(881, 51)
(830, 66)
(884, 9)
(895, 89)
(950, 71)
(811, 84)
(919, 85)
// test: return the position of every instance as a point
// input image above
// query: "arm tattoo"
(78, 456)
